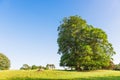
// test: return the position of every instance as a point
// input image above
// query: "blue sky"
(28, 28)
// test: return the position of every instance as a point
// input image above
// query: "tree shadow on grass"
(91, 78)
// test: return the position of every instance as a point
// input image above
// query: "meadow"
(59, 75)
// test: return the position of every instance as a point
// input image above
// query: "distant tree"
(83, 46)
(50, 66)
(4, 62)
(34, 67)
(41, 68)
(25, 67)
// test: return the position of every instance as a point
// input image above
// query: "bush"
(4, 62)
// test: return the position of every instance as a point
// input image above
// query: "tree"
(50, 66)
(4, 62)
(34, 67)
(25, 67)
(83, 46)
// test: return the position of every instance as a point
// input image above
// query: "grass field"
(59, 75)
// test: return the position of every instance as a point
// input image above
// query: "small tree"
(25, 67)
(34, 67)
(41, 68)
(4, 62)
(50, 66)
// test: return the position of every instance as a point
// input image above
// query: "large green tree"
(4, 62)
(83, 46)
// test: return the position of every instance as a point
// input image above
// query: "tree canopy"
(25, 67)
(83, 46)
(4, 62)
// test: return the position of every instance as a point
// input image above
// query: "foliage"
(117, 67)
(111, 66)
(59, 75)
(50, 66)
(41, 68)
(34, 67)
(25, 67)
(83, 46)
(4, 62)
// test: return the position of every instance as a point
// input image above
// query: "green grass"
(59, 75)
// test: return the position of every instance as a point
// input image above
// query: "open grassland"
(59, 75)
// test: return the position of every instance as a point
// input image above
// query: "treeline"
(35, 67)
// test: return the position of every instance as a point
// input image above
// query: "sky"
(28, 28)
